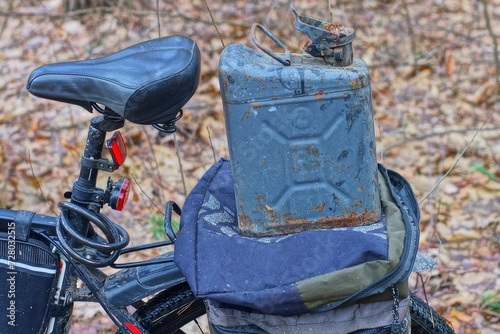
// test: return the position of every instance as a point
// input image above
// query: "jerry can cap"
(332, 42)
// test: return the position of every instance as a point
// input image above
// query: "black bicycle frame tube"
(84, 189)
(39, 222)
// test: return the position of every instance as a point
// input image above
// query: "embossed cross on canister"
(300, 133)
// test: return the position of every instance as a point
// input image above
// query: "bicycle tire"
(425, 320)
(167, 312)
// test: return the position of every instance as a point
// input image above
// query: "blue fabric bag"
(293, 274)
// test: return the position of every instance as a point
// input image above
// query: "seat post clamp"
(102, 164)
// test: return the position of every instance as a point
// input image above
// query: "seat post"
(84, 191)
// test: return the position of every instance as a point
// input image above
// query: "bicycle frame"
(115, 292)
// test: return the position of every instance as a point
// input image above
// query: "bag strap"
(22, 223)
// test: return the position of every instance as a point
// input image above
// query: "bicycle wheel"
(170, 310)
(425, 320)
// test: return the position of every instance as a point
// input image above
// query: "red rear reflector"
(117, 148)
(122, 197)
(132, 328)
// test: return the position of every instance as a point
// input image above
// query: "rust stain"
(319, 94)
(312, 150)
(244, 221)
(245, 116)
(356, 83)
(255, 105)
(253, 78)
(335, 30)
(275, 226)
(350, 219)
(319, 208)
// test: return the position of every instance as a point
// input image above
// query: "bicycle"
(82, 239)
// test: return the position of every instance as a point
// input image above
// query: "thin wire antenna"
(455, 163)
(38, 184)
(330, 9)
(150, 199)
(156, 165)
(215, 24)
(178, 154)
(381, 142)
(158, 17)
(211, 144)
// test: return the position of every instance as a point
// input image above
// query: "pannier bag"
(295, 274)
(361, 318)
(27, 274)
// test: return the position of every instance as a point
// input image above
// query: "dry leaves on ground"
(433, 78)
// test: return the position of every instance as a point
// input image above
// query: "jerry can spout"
(332, 42)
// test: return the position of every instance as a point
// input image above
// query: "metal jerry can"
(300, 133)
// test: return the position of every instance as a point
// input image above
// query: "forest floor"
(433, 76)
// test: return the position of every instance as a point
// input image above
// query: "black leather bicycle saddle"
(146, 83)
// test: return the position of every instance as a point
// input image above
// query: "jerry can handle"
(285, 59)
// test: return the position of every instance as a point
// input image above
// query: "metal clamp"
(283, 59)
(102, 164)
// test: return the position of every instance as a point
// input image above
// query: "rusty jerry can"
(300, 133)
